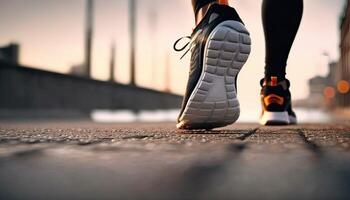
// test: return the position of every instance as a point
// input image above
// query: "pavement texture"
(84, 160)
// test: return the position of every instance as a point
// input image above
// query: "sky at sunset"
(51, 35)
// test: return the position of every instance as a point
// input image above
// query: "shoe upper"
(214, 16)
(275, 95)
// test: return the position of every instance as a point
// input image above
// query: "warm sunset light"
(175, 99)
(59, 46)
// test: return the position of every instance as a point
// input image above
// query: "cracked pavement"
(84, 160)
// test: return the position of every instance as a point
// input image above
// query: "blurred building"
(343, 94)
(10, 53)
(316, 86)
(333, 90)
(322, 89)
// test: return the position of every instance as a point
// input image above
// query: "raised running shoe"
(276, 102)
(219, 45)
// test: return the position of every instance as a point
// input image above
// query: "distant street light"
(88, 36)
(325, 53)
(167, 73)
(132, 29)
(153, 26)
(112, 63)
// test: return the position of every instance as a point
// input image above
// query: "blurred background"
(112, 60)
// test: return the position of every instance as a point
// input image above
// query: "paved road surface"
(81, 160)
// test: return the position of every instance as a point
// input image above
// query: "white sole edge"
(293, 120)
(214, 99)
(274, 118)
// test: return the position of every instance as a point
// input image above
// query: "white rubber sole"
(274, 118)
(292, 120)
(213, 102)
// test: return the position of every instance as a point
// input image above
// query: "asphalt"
(84, 160)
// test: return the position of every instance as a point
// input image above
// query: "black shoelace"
(188, 44)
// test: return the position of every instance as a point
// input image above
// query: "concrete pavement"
(83, 160)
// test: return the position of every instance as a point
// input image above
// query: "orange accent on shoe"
(273, 81)
(223, 2)
(273, 98)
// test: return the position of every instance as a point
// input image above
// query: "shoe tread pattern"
(214, 100)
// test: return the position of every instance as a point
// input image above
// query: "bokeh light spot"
(343, 86)
(329, 92)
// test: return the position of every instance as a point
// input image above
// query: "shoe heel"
(214, 101)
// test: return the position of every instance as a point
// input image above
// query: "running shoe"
(219, 46)
(276, 102)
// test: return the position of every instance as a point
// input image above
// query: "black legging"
(281, 19)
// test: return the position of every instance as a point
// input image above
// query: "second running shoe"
(276, 102)
(220, 46)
